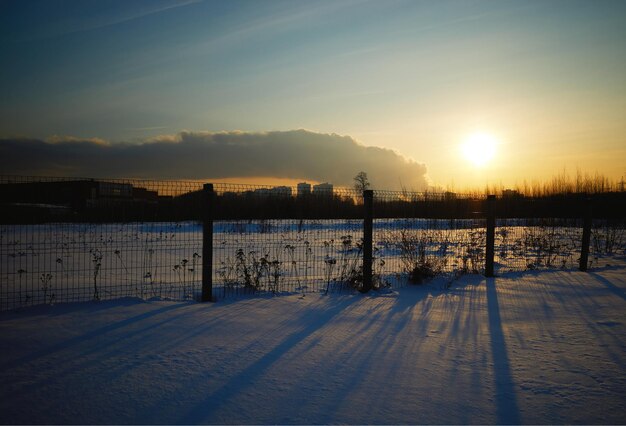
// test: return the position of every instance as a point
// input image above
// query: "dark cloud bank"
(296, 154)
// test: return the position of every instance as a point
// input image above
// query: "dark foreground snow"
(545, 347)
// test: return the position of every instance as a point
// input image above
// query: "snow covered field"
(534, 347)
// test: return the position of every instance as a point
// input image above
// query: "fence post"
(491, 235)
(207, 242)
(584, 251)
(368, 217)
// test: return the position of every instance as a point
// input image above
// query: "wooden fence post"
(207, 242)
(584, 250)
(368, 218)
(491, 235)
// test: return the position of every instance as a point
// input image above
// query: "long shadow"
(312, 323)
(87, 336)
(64, 308)
(398, 315)
(609, 285)
(314, 320)
(507, 411)
(110, 347)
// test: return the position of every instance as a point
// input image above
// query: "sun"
(479, 148)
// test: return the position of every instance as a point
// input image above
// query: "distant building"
(145, 194)
(511, 193)
(277, 191)
(262, 192)
(114, 190)
(74, 193)
(449, 195)
(325, 189)
(69, 197)
(304, 189)
(281, 191)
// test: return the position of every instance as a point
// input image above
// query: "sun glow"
(479, 148)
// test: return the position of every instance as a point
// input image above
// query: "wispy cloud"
(291, 18)
(153, 9)
(296, 154)
(106, 18)
(143, 129)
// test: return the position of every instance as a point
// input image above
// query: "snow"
(534, 347)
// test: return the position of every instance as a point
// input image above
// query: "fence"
(71, 240)
(64, 240)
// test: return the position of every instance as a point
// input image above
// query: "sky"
(412, 80)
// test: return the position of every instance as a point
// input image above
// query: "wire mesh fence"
(28, 200)
(421, 249)
(73, 262)
(545, 243)
(531, 244)
(70, 240)
(608, 238)
(64, 240)
(422, 235)
(296, 239)
(287, 255)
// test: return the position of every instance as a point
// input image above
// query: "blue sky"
(545, 78)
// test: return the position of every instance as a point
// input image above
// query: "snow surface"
(538, 347)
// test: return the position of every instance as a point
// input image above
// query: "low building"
(304, 189)
(281, 191)
(511, 193)
(323, 189)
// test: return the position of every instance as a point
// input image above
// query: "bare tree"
(361, 183)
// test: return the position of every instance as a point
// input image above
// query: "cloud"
(61, 139)
(295, 154)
